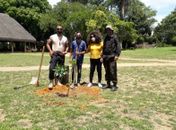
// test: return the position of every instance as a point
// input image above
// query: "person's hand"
(64, 53)
(78, 53)
(116, 58)
(101, 59)
(51, 53)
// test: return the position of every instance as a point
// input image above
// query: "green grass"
(154, 53)
(22, 59)
(145, 94)
(33, 59)
(146, 99)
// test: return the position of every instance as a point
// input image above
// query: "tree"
(141, 16)
(166, 30)
(93, 2)
(73, 17)
(27, 13)
(125, 30)
(119, 6)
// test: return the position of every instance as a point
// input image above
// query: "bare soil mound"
(67, 91)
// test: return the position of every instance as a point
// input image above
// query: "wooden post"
(12, 47)
(25, 47)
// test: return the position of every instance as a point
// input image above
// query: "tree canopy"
(165, 32)
(131, 19)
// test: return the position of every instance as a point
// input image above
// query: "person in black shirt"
(111, 53)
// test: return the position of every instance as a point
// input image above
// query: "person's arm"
(88, 48)
(66, 47)
(48, 45)
(101, 55)
(118, 49)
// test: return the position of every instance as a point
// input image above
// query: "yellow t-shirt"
(95, 50)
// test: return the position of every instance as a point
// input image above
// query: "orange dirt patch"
(66, 91)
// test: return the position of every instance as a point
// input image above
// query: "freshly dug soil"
(66, 91)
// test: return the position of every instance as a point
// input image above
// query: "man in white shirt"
(59, 48)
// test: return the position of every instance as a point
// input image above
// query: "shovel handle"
(43, 50)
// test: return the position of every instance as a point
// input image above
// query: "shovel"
(35, 80)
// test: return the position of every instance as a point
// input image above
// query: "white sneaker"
(100, 85)
(78, 84)
(50, 85)
(58, 83)
(72, 85)
(89, 85)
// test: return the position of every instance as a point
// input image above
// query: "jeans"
(95, 63)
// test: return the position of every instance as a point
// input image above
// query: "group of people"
(106, 51)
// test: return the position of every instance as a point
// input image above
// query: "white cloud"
(163, 7)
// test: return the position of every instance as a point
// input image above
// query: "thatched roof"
(12, 31)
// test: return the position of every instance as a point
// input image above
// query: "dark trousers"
(76, 68)
(95, 63)
(110, 70)
(56, 58)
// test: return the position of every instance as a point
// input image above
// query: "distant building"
(13, 35)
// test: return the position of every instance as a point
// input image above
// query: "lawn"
(33, 59)
(146, 100)
(152, 53)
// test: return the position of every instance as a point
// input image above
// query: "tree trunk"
(122, 9)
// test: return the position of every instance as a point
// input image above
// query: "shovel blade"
(34, 81)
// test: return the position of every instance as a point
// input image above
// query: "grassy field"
(33, 59)
(146, 99)
(154, 53)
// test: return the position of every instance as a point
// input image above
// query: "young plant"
(60, 71)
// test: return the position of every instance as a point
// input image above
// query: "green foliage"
(100, 19)
(174, 40)
(27, 13)
(166, 31)
(60, 71)
(47, 24)
(73, 17)
(97, 21)
(141, 16)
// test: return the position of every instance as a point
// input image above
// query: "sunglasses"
(59, 28)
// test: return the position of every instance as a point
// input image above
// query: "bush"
(162, 44)
(174, 41)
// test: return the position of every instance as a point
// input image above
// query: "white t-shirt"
(58, 43)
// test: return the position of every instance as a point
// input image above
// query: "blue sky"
(163, 7)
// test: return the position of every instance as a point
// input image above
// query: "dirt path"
(153, 63)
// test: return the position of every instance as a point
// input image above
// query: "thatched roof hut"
(12, 31)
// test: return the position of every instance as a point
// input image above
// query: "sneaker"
(72, 85)
(114, 88)
(100, 85)
(50, 86)
(89, 85)
(78, 84)
(59, 84)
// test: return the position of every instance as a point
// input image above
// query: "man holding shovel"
(59, 48)
(78, 49)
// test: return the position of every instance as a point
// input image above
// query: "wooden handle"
(43, 50)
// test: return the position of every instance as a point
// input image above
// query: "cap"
(109, 27)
